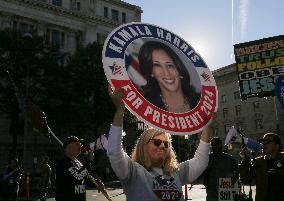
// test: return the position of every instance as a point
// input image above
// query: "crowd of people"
(152, 171)
(13, 179)
(267, 170)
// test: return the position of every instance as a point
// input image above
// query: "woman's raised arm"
(116, 97)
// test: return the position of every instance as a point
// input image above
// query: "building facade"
(255, 116)
(68, 24)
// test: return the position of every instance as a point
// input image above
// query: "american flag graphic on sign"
(205, 76)
(116, 69)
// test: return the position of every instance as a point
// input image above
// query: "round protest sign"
(279, 90)
(167, 84)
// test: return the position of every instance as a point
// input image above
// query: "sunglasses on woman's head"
(158, 142)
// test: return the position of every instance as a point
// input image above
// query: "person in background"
(12, 177)
(71, 173)
(168, 81)
(44, 182)
(221, 165)
(153, 172)
(267, 170)
(100, 161)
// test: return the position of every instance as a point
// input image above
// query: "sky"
(212, 27)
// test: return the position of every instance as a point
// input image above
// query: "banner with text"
(259, 63)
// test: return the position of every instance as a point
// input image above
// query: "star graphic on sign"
(116, 69)
(205, 76)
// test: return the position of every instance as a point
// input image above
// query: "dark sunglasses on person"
(265, 141)
(158, 142)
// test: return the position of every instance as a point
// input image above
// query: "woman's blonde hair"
(141, 156)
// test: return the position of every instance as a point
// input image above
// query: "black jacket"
(70, 180)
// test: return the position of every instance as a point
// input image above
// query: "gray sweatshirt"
(139, 184)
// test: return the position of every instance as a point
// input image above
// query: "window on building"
(47, 36)
(256, 106)
(224, 99)
(23, 27)
(114, 15)
(62, 40)
(123, 17)
(78, 6)
(75, 5)
(57, 2)
(237, 95)
(238, 109)
(239, 125)
(258, 124)
(15, 25)
(215, 131)
(55, 37)
(227, 128)
(225, 112)
(31, 28)
(106, 12)
(79, 39)
(101, 38)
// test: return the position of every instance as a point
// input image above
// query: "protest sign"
(167, 84)
(279, 90)
(227, 189)
(258, 64)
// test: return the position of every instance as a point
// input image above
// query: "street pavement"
(196, 193)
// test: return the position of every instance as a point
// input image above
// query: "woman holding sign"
(168, 81)
(152, 173)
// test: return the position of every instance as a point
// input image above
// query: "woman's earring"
(152, 75)
(181, 77)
